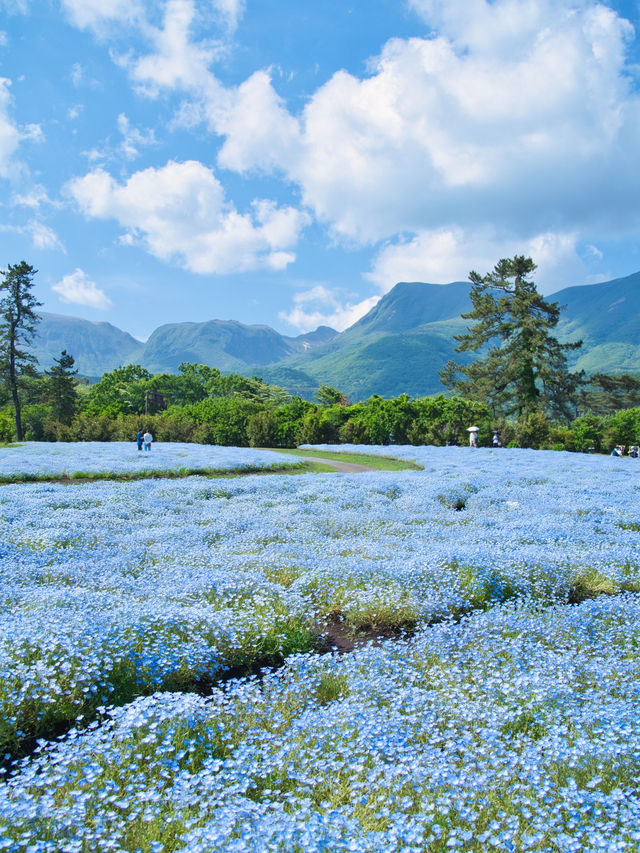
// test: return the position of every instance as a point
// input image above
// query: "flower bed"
(113, 591)
(517, 729)
(39, 460)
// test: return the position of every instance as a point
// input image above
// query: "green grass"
(376, 463)
(87, 476)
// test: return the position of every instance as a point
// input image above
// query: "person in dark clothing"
(139, 439)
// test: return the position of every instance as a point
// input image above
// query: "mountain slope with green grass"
(402, 343)
(397, 347)
(226, 344)
(606, 318)
(96, 347)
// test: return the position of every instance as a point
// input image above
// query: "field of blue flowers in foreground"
(37, 459)
(506, 717)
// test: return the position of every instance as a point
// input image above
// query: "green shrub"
(262, 429)
(562, 436)
(588, 433)
(533, 431)
(7, 426)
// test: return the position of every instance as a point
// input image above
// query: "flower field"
(37, 459)
(503, 714)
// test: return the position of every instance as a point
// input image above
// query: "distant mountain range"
(96, 347)
(398, 347)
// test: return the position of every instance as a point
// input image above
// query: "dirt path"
(345, 467)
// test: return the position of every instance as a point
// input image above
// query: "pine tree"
(61, 389)
(18, 322)
(524, 367)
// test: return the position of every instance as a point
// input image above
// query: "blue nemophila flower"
(495, 724)
(46, 459)
(418, 748)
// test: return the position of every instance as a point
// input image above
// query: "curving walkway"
(344, 467)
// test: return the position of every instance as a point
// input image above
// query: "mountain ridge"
(397, 347)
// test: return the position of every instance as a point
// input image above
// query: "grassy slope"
(377, 463)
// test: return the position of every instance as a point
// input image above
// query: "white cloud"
(10, 134)
(178, 62)
(76, 74)
(16, 6)
(133, 139)
(183, 39)
(44, 237)
(33, 197)
(260, 133)
(78, 289)
(449, 254)
(100, 16)
(97, 14)
(179, 213)
(321, 306)
(519, 113)
(231, 11)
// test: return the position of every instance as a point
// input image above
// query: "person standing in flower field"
(139, 439)
(148, 438)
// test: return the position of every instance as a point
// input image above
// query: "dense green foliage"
(604, 394)
(62, 388)
(202, 405)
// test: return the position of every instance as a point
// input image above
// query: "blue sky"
(287, 163)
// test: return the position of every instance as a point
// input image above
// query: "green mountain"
(96, 347)
(402, 343)
(411, 305)
(605, 317)
(398, 347)
(226, 344)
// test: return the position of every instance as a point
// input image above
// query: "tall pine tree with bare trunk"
(18, 321)
(523, 367)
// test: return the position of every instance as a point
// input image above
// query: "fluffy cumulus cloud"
(259, 132)
(322, 306)
(78, 289)
(176, 43)
(449, 254)
(518, 113)
(179, 214)
(176, 60)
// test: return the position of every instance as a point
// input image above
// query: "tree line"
(520, 385)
